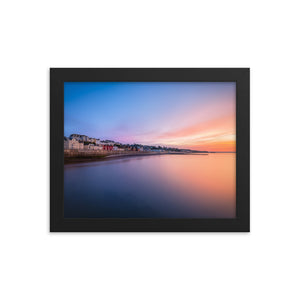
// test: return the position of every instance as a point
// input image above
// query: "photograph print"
(150, 150)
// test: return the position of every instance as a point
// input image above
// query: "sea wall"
(96, 153)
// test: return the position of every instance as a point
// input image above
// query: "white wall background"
(36, 35)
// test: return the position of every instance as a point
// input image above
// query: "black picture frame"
(60, 75)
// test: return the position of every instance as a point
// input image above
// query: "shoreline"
(105, 157)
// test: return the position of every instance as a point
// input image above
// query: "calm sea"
(160, 186)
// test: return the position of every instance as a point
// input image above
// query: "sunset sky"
(187, 115)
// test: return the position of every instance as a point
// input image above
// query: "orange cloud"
(214, 135)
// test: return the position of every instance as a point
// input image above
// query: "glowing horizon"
(185, 115)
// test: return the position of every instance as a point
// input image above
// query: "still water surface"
(160, 186)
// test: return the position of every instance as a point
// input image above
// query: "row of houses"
(85, 138)
(133, 148)
(73, 143)
(83, 142)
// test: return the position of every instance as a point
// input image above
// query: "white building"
(85, 138)
(72, 144)
(80, 137)
(93, 147)
(88, 147)
(75, 136)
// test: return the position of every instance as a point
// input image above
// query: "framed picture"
(149, 150)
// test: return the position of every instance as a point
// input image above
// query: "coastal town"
(78, 147)
(82, 143)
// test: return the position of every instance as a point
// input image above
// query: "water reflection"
(162, 186)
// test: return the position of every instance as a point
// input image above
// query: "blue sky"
(145, 112)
